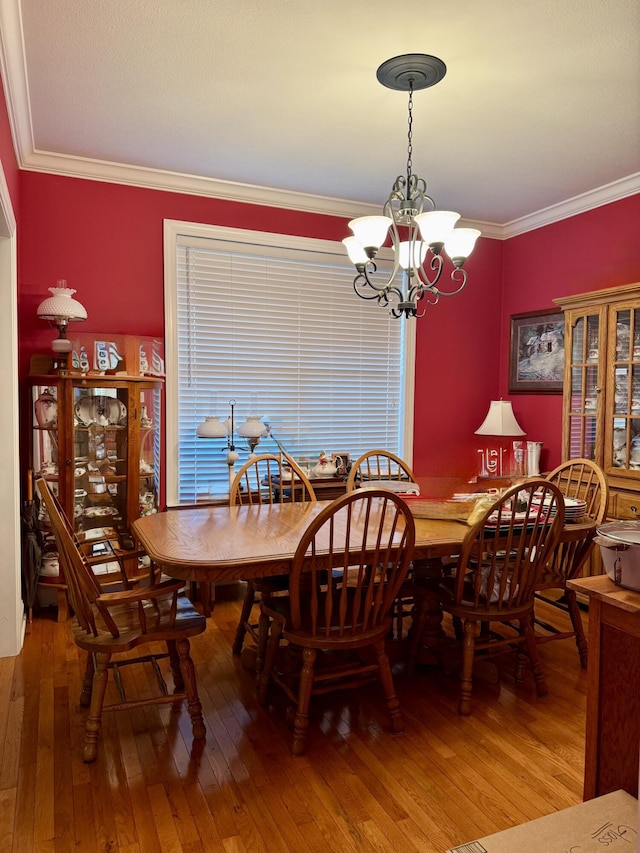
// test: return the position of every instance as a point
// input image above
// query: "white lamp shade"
(459, 244)
(500, 420)
(420, 250)
(211, 428)
(252, 428)
(61, 306)
(355, 250)
(436, 225)
(370, 231)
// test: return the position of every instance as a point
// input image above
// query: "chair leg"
(393, 704)
(466, 683)
(576, 621)
(174, 660)
(301, 723)
(271, 643)
(526, 628)
(417, 631)
(94, 720)
(189, 678)
(241, 630)
(263, 639)
(458, 631)
(87, 682)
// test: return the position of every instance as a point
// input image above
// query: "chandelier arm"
(458, 276)
(436, 264)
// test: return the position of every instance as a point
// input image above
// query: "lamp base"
(61, 348)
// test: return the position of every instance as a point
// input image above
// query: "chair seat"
(126, 617)
(337, 637)
(447, 588)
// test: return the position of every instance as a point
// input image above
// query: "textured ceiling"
(540, 103)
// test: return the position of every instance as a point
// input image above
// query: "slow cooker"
(619, 543)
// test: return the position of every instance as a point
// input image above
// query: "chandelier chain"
(410, 133)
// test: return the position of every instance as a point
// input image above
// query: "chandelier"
(418, 236)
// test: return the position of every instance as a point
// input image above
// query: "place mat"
(399, 487)
(442, 510)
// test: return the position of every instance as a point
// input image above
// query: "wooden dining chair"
(577, 479)
(267, 478)
(378, 465)
(346, 574)
(113, 558)
(500, 563)
(108, 626)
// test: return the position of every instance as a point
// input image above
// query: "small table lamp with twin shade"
(252, 430)
(505, 459)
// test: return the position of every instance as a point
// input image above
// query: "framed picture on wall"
(536, 355)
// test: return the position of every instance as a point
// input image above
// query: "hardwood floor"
(446, 781)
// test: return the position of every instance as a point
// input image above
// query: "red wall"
(591, 251)
(106, 241)
(457, 355)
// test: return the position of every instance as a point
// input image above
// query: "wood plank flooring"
(446, 781)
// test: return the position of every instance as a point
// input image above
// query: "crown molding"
(14, 74)
(615, 191)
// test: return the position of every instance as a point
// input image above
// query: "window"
(272, 322)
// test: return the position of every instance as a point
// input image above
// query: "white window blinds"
(274, 324)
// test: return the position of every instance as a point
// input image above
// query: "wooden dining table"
(227, 543)
(216, 544)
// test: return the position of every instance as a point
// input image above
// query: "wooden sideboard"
(612, 739)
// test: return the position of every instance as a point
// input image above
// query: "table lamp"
(60, 309)
(500, 422)
(252, 429)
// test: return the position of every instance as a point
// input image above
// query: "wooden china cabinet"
(601, 408)
(96, 440)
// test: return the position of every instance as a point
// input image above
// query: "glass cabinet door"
(100, 456)
(584, 397)
(45, 444)
(623, 428)
(149, 438)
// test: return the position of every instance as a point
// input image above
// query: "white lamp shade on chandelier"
(418, 237)
(500, 420)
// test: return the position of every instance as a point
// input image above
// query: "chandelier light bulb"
(460, 243)
(408, 248)
(436, 226)
(356, 252)
(371, 231)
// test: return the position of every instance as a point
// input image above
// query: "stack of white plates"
(574, 510)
